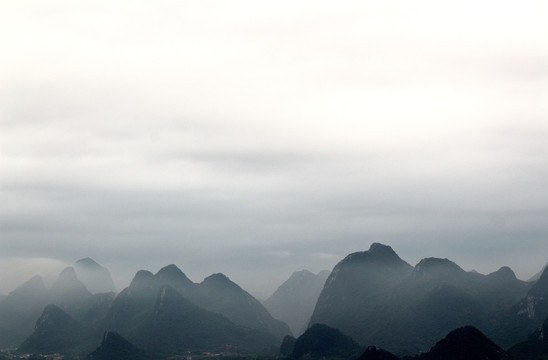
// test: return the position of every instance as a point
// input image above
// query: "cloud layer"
(258, 139)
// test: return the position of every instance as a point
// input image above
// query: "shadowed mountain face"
(115, 347)
(95, 277)
(219, 294)
(215, 312)
(176, 325)
(19, 311)
(377, 298)
(322, 341)
(535, 347)
(57, 332)
(466, 343)
(294, 301)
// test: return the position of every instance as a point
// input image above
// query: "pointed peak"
(68, 273)
(377, 253)
(87, 263)
(431, 268)
(142, 278)
(380, 248)
(504, 273)
(170, 271)
(218, 277)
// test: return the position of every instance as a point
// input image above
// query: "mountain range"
(377, 298)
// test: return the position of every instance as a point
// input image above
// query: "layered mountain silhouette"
(377, 298)
(57, 332)
(19, 311)
(95, 277)
(294, 301)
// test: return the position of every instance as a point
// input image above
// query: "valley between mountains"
(372, 305)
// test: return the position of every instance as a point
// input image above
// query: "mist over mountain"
(19, 311)
(96, 278)
(294, 301)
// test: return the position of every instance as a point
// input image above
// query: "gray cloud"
(260, 139)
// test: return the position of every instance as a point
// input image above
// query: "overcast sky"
(259, 138)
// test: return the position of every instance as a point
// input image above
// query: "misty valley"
(372, 305)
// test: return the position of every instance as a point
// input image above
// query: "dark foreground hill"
(321, 341)
(115, 347)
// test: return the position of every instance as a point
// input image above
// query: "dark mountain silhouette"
(376, 353)
(95, 277)
(176, 325)
(322, 341)
(377, 298)
(57, 332)
(20, 310)
(517, 322)
(535, 347)
(357, 289)
(115, 347)
(465, 343)
(215, 312)
(294, 301)
(288, 343)
(68, 292)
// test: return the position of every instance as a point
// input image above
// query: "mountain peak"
(503, 274)
(540, 288)
(142, 278)
(218, 278)
(377, 253)
(465, 343)
(170, 271)
(87, 263)
(436, 267)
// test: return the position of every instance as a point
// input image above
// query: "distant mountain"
(377, 298)
(538, 275)
(95, 277)
(321, 341)
(535, 347)
(68, 292)
(217, 293)
(294, 301)
(19, 311)
(57, 332)
(115, 347)
(465, 343)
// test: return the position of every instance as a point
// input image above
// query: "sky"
(261, 138)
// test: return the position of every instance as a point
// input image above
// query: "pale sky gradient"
(257, 139)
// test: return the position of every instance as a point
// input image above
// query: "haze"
(257, 139)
